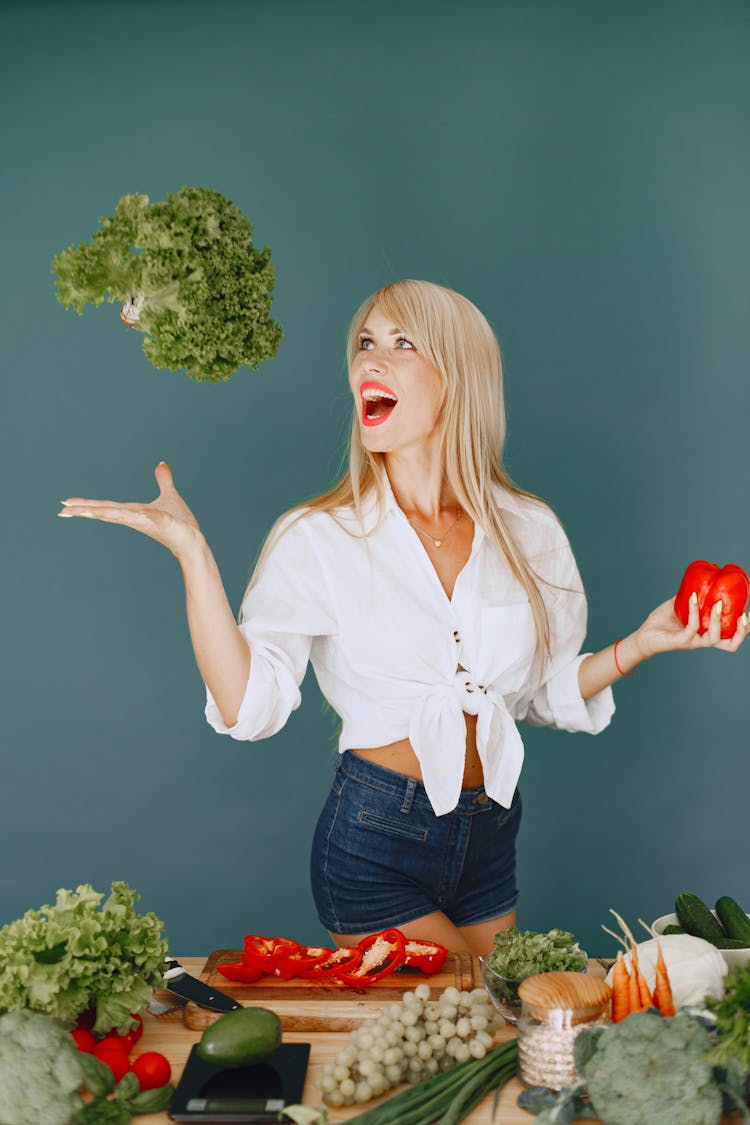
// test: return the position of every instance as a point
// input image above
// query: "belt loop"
(411, 787)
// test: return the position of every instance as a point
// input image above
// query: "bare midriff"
(400, 756)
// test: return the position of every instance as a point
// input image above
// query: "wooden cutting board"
(304, 1005)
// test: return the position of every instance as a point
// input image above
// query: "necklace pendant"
(437, 542)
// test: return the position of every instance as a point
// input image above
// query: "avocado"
(241, 1037)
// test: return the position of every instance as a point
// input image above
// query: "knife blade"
(181, 983)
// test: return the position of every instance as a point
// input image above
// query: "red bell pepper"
(425, 955)
(712, 583)
(381, 954)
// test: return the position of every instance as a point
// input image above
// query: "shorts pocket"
(509, 818)
(389, 827)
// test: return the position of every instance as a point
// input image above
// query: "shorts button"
(481, 798)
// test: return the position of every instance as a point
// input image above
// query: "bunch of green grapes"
(408, 1042)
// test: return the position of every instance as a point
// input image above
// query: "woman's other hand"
(167, 519)
(663, 631)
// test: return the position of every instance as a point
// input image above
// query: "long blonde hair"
(455, 338)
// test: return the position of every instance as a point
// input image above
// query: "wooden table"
(168, 1034)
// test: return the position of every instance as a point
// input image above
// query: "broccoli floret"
(651, 1069)
(40, 1072)
(189, 277)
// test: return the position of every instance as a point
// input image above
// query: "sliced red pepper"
(301, 961)
(238, 970)
(268, 954)
(381, 954)
(425, 955)
(343, 959)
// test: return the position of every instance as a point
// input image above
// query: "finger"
(163, 475)
(79, 502)
(714, 623)
(690, 631)
(743, 627)
(131, 515)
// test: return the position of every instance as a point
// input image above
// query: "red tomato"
(120, 1042)
(152, 1070)
(84, 1040)
(115, 1058)
(136, 1032)
(729, 584)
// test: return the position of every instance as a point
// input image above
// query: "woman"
(438, 603)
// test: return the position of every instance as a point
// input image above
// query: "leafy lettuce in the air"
(187, 274)
(67, 958)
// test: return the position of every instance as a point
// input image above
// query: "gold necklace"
(437, 542)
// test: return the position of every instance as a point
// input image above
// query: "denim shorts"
(381, 857)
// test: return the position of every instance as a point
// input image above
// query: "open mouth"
(378, 402)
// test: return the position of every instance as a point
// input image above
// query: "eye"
(402, 340)
(364, 342)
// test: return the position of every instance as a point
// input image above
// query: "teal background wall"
(580, 170)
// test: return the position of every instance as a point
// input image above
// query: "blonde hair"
(456, 339)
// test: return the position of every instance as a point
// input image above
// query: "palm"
(663, 631)
(167, 519)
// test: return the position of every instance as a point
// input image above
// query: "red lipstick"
(378, 402)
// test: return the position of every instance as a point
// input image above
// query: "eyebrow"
(368, 331)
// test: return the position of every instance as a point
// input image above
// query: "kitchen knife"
(177, 980)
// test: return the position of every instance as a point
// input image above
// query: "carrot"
(620, 989)
(640, 997)
(662, 988)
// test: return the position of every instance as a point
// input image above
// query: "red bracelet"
(617, 666)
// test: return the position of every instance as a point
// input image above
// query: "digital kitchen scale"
(254, 1093)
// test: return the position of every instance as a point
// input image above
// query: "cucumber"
(241, 1037)
(672, 929)
(695, 917)
(734, 919)
(728, 943)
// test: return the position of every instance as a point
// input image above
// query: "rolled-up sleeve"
(556, 701)
(285, 608)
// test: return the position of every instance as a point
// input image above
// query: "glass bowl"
(503, 991)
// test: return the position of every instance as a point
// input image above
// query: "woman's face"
(397, 393)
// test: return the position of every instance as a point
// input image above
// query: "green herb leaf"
(152, 1101)
(97, 1077)
(127, 1087)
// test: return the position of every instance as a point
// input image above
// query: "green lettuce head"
(187, 275)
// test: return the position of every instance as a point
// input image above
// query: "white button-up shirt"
(396, 658)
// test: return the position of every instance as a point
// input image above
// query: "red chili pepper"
(712, 583)
(381, 954)
(425, 955)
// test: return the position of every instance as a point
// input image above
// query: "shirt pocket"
(507, 645)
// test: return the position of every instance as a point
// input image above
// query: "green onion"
(449, 1097)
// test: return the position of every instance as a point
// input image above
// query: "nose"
(373, 359)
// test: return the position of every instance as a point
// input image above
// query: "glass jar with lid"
(555, 1008)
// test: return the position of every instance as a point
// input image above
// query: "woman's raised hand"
(662, 631)
(167, 519)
